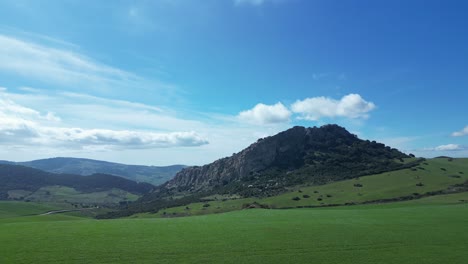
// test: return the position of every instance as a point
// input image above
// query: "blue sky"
(188, 82)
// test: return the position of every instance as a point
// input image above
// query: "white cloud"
(448, 147)
(9, 109)
(64, 67)
(23, 126)
(266, 114)
(25, 132)
(463, 132)
(350, 106)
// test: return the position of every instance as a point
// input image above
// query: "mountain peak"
(295, 156)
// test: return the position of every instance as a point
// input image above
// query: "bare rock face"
(285, 151)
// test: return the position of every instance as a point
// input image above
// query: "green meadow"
(12, 209)
(423, 231)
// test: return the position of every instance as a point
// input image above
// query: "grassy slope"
(374, 187)
(423, 231)
(62, 194)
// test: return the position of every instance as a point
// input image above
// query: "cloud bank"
(23, 126)
(313, 109)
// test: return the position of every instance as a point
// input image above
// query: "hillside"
(272, 165)
(151, 174)
(20, 179)
(296, 156)
(432, 179)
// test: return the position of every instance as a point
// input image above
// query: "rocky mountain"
(16, 177)
(296, 156)
(151, 174)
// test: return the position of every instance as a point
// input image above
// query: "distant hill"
(16, 177)
(268, 167)
(151, 174)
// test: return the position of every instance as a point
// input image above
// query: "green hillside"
(430, 176)
(22, 183)
(63, 194)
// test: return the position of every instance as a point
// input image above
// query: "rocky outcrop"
(286, 151)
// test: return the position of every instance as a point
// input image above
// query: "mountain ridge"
(152, 174)
(18, 177)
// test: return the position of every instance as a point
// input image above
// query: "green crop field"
(429, 230)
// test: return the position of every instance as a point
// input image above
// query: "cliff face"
(286, 151)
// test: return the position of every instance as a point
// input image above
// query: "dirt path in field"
(66, 211)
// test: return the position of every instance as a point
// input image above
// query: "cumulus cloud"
(266, 114)
(23, 126)
(463, 132)
(448, 147)
(350, 106)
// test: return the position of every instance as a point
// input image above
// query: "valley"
(407, 210)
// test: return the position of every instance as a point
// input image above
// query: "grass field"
(429, 230)
(12, 209)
